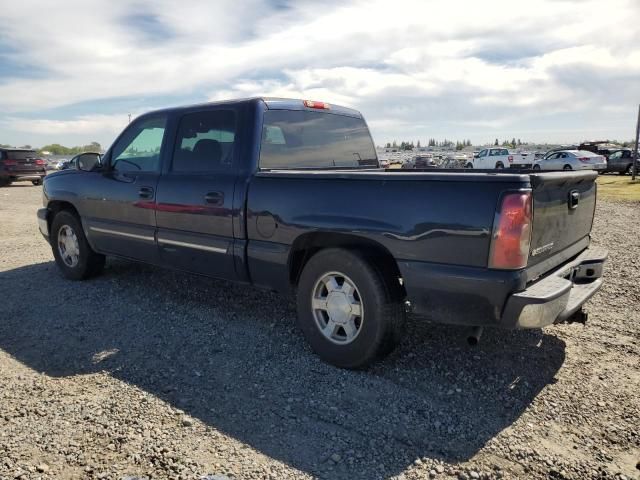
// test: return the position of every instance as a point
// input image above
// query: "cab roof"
(271, 103)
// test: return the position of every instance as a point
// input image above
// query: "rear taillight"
(512, 232)
(10, 163)
(584, 159)
(39, 161)
(510, 158)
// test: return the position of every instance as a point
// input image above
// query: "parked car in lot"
(287, 195)
(572, 160)
(419, 162)
(21, 164)
(621, 161)
(61, 164)
(497, 158)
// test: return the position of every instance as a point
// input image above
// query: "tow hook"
(474, 336)
(579, 316)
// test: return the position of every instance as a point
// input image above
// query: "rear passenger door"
(194, 203)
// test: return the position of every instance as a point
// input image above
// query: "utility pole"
(129, 118)
(634, 169)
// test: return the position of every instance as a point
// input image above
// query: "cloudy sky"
(540, 70)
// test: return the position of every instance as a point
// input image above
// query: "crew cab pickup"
(288, 195)
(498, 158)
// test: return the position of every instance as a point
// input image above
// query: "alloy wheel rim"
(68, 246)
(337, 308)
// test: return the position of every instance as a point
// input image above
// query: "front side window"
(138, 150)
(205, 142)
(483, 153)
(303, 139)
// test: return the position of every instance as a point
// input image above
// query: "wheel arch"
(307, 245)
(56, 206)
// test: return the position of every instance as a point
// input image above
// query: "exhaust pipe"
(474, 337)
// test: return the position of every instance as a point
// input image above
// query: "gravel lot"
(149, 373)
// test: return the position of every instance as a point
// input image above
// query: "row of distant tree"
(459, 145)
(431, 143)
(57, 149)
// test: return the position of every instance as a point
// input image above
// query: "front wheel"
(536, 167)
(37, 182)
(349, 313)
(469, 165)
(73, 254)
(627, 171)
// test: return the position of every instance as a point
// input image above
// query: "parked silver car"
(571, 160)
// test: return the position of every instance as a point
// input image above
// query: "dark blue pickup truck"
(288, 195)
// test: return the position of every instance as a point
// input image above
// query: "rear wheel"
(499, 165)
(347, 311)
(5, 182)
(72, 252)
(567, 167)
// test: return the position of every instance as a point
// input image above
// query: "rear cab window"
(299, 139)
(19, 154)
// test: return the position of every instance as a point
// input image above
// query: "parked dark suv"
(621, 161)
(21, 164)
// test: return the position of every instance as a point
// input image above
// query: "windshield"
(303, 139)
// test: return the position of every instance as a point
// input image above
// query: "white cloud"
(444, 67)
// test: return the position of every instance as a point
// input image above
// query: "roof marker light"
(318, 105)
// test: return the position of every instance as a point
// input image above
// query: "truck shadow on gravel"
(232, 357)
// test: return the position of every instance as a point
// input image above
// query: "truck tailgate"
(563, 208)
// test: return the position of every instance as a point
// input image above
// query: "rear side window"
(205, 142)
(303, 139)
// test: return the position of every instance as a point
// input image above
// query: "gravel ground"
(148, 373)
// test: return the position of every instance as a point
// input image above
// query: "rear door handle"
(214, 198)
(145, 192)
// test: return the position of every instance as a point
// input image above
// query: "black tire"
(499, 165)
(628, 170)
(383, 317)
(469, 165)
(5, 182)
(89, 263)
(536, 167)
(37, 182)
(567, 167)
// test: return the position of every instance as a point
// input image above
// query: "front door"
(194, 207)
(119, 202)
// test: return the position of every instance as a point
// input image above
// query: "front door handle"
(145, 192)
(214, 198)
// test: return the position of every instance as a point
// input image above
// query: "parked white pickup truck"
(498, 158)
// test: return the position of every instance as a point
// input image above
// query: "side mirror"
(88, 163)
